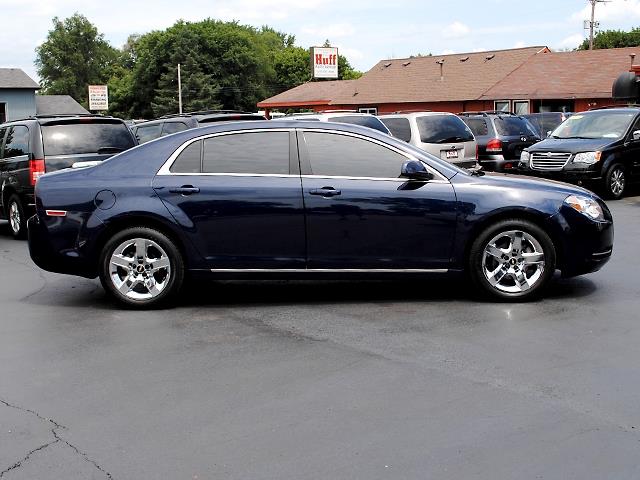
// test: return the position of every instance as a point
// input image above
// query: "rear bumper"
(57, 258)
(498, 163)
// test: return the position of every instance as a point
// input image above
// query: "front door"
(237, 198)
(361, 215)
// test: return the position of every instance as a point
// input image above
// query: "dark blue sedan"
(306, 199)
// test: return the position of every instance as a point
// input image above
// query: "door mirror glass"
(415, 170)
(636, 135)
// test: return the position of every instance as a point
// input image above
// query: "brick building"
(522, 80)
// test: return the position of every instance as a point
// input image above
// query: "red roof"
(578, 74)
(307, 94)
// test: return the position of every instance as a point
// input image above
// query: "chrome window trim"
(329, 270)
(397, 150)
(165, 169)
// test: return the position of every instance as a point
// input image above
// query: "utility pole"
(179, 91)
(593, 24)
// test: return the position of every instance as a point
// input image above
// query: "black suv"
(599, 148)
(501, 137)
(168, 124)
(34, 146)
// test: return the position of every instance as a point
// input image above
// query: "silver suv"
(340, 116)
(441, 134)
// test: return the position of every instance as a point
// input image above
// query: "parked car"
(599, 148)
(31, 147)
(307, 199)
(501, 137)
(340, 116)
(440, 133)
(546, 122)
(152, 129)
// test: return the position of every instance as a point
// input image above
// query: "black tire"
(17, 218)
(132, 277)
(615, 182)
(512, 268)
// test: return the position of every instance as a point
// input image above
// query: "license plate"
(451, 154)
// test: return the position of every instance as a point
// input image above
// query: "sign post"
(324, 61)
(98, 97)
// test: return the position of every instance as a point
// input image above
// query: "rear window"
(512, 126)
(400, 127)
(443, 129)
(81, 138)
(371, 122)
(148, 132)
(478, 126)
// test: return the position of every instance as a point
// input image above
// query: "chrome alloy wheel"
(14, 217)
(617, 182)
(139, 269)
(513, 261)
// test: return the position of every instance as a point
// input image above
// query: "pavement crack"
(19, 463)
(55, 426)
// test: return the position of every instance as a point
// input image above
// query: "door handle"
(185, 190)
(325, 191)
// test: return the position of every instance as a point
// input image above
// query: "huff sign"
(325, 62)
(98, 97)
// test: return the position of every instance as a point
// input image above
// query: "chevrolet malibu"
(297, 199)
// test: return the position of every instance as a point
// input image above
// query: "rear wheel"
(512, 260)
(141, 267)
(615, 181)
(16, 217)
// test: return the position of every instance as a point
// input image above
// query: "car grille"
(549, 160)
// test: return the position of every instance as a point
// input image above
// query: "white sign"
(98, 97)
(325, 62)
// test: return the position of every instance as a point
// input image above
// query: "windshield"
(443, 129)
(602, 124)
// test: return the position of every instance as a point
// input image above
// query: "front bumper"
(580, 177)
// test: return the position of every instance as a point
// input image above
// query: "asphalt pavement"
(322, 380)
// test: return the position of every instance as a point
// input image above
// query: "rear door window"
(513, 126)
(443, 129)
(17, 142)
(189, 160)
(173, 127)
(365, 121)
(255, 152)
(82, 138)
(400, 127)
(332, 154)
(149, 132)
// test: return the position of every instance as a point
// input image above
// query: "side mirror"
(636, 135)
(415, 170)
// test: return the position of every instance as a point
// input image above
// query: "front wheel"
(615, 182)
(512, 260)
(141, 267)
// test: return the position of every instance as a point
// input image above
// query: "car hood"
(571, 145)
(521, 182)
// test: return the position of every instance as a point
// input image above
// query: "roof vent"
(405, 64)
(489, 57)
(464, 59)
(387, 65)
(441, 63)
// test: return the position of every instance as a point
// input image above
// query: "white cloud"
(572, 41)
(456, 30)
(448, 51)
(351, 54)
(610, 12)
(336, 30)
(520, 44)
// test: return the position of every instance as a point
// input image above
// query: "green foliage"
(73, 56)
(223, 65)
(613, 39)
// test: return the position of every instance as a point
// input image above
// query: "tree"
(613, 39)
(73, 56)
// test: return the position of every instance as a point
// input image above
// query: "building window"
(502, 106)
(521, 107)
(371, 110)
(3, 112)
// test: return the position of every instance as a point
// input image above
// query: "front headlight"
(586, 206)
(524, 157)
(588, 158)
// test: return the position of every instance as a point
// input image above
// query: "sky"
(365, 31)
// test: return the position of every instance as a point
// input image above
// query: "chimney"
(441, 63)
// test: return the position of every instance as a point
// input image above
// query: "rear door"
(515, 133)
(69, 141)
(361, 215)
(237, 195)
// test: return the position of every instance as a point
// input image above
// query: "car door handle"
(325, 191)
(185, 190)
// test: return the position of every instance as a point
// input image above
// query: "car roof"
(426, 113)
(44, 119)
